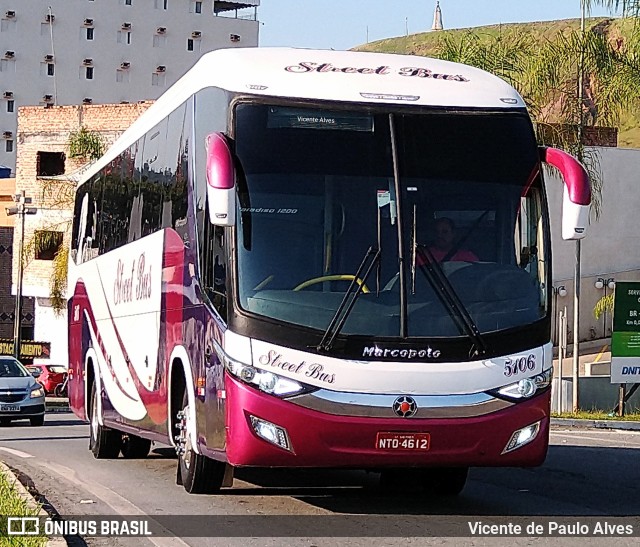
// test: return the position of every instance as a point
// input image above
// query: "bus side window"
(214, 267)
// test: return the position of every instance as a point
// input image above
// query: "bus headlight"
(527, 387)
(266, 381)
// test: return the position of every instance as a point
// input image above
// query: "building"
(7, 300)
(64, 52)
(45, 172)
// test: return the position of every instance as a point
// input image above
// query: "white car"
(21, 396)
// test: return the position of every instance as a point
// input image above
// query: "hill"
(428, 44)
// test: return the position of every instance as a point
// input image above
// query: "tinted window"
(317, 192)
(11, 368)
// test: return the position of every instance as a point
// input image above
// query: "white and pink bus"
(257, 274)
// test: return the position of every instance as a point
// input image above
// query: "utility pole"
(21, 210)
(577, 273)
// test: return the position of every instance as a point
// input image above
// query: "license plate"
(403, 441)
(9, 408)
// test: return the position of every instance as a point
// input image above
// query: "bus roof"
(350, 76)
(343, 76)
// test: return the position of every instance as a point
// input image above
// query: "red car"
(50, 375)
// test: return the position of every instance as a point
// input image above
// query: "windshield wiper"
(372, 256)
(432, 270)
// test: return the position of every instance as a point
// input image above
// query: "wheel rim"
(185, 439)
(94, 419)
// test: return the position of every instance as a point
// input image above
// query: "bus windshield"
(449, 198)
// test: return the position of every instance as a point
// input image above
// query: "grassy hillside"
(428, 43)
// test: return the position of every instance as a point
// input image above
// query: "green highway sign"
(625, 338)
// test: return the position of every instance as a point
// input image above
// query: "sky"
(343, 24)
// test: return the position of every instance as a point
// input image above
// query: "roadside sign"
(625, 338)
(29, 349)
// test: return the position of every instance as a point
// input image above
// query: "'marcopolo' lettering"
(425, 353)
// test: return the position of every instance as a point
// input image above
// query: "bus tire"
(134, 447)
(446, 481)
(104, 442)
(197, 473)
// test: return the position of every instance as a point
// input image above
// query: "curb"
(56, 409)
(56, 404)
(596, 424)
(28, 499)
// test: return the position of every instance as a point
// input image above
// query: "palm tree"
(627, 7)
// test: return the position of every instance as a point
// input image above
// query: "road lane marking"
(15, 452)
(120, 504)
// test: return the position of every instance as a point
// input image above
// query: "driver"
(444, 247)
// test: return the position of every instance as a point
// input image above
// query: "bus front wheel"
(197, 473)
(437, 481)
(447, 481)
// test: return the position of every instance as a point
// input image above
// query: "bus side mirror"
(220, 181)
(576, 198)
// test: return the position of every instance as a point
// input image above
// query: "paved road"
(588, 473)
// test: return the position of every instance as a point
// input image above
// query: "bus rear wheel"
(104, 442)
(197, 473)
(134, 447)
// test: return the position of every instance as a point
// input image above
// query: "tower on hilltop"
(437, 18)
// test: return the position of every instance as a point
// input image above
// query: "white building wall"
(53, 328)
(29, 37)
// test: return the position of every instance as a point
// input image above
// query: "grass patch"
(596, 415)
(11, 504)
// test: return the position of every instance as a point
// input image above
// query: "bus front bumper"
(318, 439)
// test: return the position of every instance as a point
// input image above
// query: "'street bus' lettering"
(419, 72)
(123, 287)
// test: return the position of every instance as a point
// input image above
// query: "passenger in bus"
(445, 244)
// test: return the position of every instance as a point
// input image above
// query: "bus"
(253, 276)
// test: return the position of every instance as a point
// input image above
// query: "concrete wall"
(595, 393)
(7, 191)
